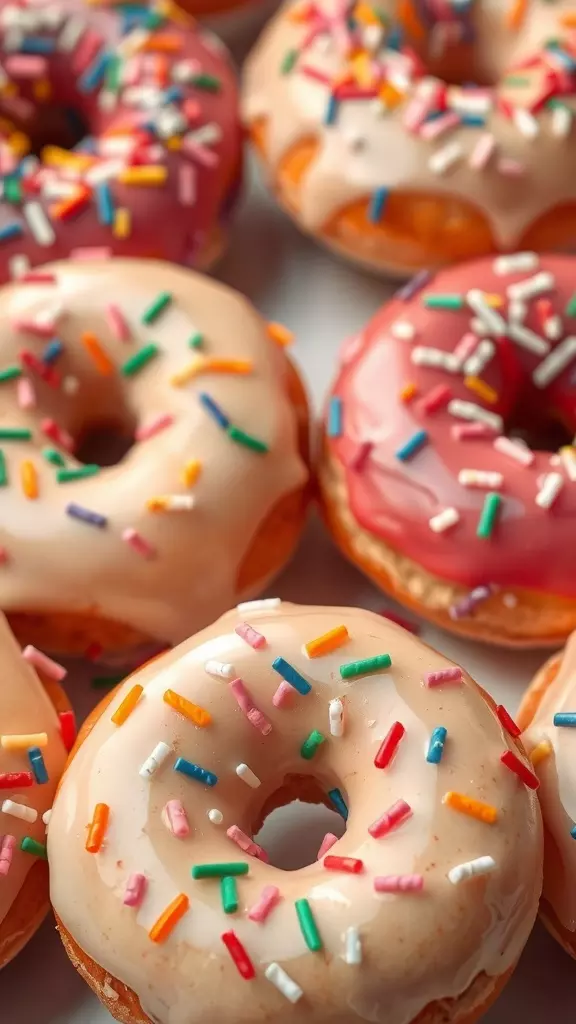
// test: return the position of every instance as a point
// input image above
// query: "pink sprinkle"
(148, 430)
(245, 843)
(202, 155)
(399, 883)
(39, 328)
(117, 322)
(326, 844)
(138, 543)
(7, 847)
(44, 664)
(251, 636)
(57, 434)
(253, 714)
(466, 346)
(86, 49)
(23, 65)
(283, 696)
(482, 151)
(443, 675)
(134, 891)
(471, 431)
(177, 819)
(391, 818)
(94, 252)
(269, 898)
(25, 393)
(510, 168)
(187, 185)
(37, 277)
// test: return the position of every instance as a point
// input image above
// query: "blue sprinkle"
(339, 802)
(290, 674)
(565, 718)
(335, 417)
(37, 765)
(12, 230)
(473, 120)
(394, 40)
(413, 445)
(573, 832)
(436, 748)
(214, 410)
(86, 515)
(104, 204)
(331, 110)
(52, 351)
(173, 94)
(37, 45)
(194, 771)
(377, 204)
(94, 74)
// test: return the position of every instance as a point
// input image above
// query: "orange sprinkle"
(128, 704)
(365, 14)
(174, 143)
(172, 12)
(19, 143)
(328, 642)
(495, 301)
(191, 472)
(169, 918)
(73, 204)
(280, 334)
(97, 828)
(408, 17)
(516, 13)
(161, 42)
(145, 174)
(122, 223)
(540, 752)
(207, 365)
(408, 392)
(42, 90)
(390, 96)
(482, 389)
(362, 69)
(185, 707)
(99, 357)
(55, 156)
(568, 20)
(467, 805)
(29, 478)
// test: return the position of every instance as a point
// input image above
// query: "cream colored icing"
(55, 562)
(368, 147)
(24, 709)
(436, 942)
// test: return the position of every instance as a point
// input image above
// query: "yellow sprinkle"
(54, 156)
(174, 143)
(482, 389)
(540, 752)
(327, 642)
(122, 223)
(191, 472)
(42, 90)
(365, 14)
(19, 143)
(147, 174)
(128, 704)
(408, 392)
(24, 741)
(206, 365)
(362, 69)
(516, 13)
(29, 478)
(467, 805)
(185, 707)
(280, 334)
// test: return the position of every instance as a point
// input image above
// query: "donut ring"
(35, 720)
(161, 166)
(330, 722)
(422, 487)
(371, 151)
(208, 503)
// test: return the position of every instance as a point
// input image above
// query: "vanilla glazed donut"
(447, 471)
(159, 166)
(373, 151)
(181, 377)
(165, 903)
(36, 731)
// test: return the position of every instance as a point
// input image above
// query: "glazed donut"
(159, 167)
(36, 730)
(208, 502)
(435, 475)
(547, 715)
(176, 770)
(371, 149)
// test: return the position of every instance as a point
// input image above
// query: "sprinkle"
(403, 330)
(481, 388)
(194, 771)
(335, 411)
(49, 668)
(185, 707)
(552, 484)
(425, 355)
(68, 476)
(436, 399)
(67, 729)
(215, 816)
(555, 363)
(473, 808)
(155, 760)
(289, 673)
(327, 643)
(138, 543)
(246, 844)
(55, 433)
(444, 520)
(145, 175)
(377, 204)
(29, 845)
(365, 666)
(517, 263)
(389, 745)
(214, 410)
(157, 307)
(482, 152)
(15, 434)
(444, 159)
(412, 446)
(171, 503)
(532, 287)
(177, 819)
(398, 813)
(515, 765)
(488, 516)
(239, 955)
(308, 925)
(20, 811)
(169, 918)
(283, 982)
(97, 828)
(7, 847)
(571, 306)
(139, 360)
(540, 752)
(408, 392)
(247, 775)
(283, 695)
(564, 719)
(507, 721)
(85, 515)
(311, 745)
(191, 472)
(470, 869)
(327, 843)
(263, 605)
(471, 411)
(229, 895)
(339, 802)
(247, 440)
(443, 301)
(127, 706)
(350, 865)
(480, 478)
(24, 740)
(38, 766)
(219, 669)
(117, 322)
(436, 746)
(352, 947)
(251, 636)
(491, 320)
(220, 870)
(245, 702)
(99, 357)
(527, 339)
(398, 883)
(279, 334)
(25, 393)
(269, 898)
(336, 717)
(518, 452)
(135, 890)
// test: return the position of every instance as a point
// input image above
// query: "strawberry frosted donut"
(378, 142)
(448, 474)
(36, 730)
(155, 99)
(172, 912)
(153, 453)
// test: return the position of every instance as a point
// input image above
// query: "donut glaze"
(162, 161)
(155, 542)
(437, 941)
(514, 369)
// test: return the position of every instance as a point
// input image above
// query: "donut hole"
(538, 429)
(54, 125)
(105, 442)
(294, 822)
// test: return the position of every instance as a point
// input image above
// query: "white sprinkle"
(259, 606)
(403, 330)
(247, 775)
(157, 757)
(424, 355)
(517, 263)
(40, 226)
(353, 947)
(445, 158)
(552, 484)
(480, 478)
(444, 520)
(336, 717)
(70, 385)
(18, 266)
(74, 28)
(283, 982)
(19, 811)
(561, 121)
(215, 816)
(532, 287)
(470, 868)
(221, 669)
(526, 123)
(519, 452)
(104, 171)
(517, 310)
(553, 327)
(492, 320)
(479, 360)
(555, 363)
(528, 339)
(568, 460)
(475, 413)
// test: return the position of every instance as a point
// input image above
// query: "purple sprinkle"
(467, 605)
(414, 285)
(86, 515)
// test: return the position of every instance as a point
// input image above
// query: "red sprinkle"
(349, 864)
(239, 955)
(524, 774)
(16, 780)
(67, 728)
(389, 745)
(436, 399)
(507, 721)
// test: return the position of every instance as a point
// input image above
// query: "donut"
(547, 717)
(134, 114)
(377, 143)
(166, 904)
(153, 454)
(36, 730)
(447, 471)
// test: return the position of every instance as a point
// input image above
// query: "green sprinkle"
(516, 81)
(196, 341)
(229, 894)
(308, 925)
(53, 456)
(29, 845)
(139, 359)
(15, 434)
(3, 470)
(10, 373)
(207, 82)
(288, 62)
(488, 515)
(571, 307)
(311, 744)
(443, 301)
(12, 190)
(106, 682)
(113, 74)
(156, 308)
(224, 870)
(154, 20)
(247, 440)
(366, 665)
(68, 476)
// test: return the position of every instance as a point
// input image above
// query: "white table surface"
(324, 301)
